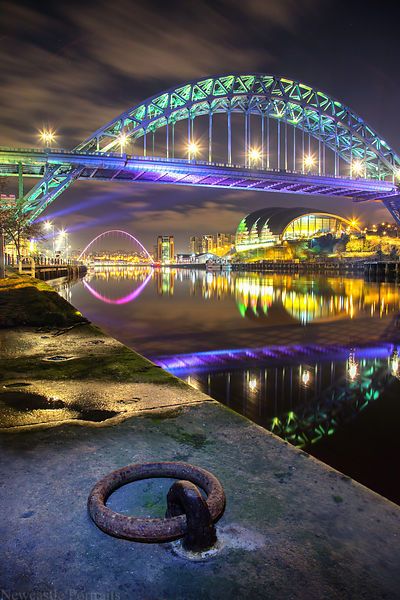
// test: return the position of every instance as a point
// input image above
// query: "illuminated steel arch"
(267, 96)
(104, 233)
(309, 111)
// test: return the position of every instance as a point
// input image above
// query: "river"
(312, 358)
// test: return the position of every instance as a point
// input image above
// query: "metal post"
(294, 148)
(229, 138)
(351, 155)
(319, 156)
(262, 141)
(188, 135)
(245, 139)
(210, 128)
(145, 143)
(335, 151)
(268, 161)
(279, 144)
(249, 134)
(173, 139)
(2, 256)
(167, 134)
(152, 151)
(20, 182)
(286, 146)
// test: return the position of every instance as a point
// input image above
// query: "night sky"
(75, 65)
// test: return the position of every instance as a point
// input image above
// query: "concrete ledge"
(293, 528)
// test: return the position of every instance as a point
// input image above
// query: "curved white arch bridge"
(246, 131)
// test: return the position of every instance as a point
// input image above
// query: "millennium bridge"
(248, 132)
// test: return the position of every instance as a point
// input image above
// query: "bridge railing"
(185, 161)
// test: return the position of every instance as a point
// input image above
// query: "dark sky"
(75, 65)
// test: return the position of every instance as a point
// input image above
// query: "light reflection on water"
(308, 357)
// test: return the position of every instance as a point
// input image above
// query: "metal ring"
(151, 530)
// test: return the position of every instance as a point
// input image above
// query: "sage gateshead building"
(275, 225)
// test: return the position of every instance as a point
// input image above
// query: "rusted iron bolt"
(160, 530)
(185, 497)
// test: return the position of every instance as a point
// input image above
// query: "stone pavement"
(292, 528)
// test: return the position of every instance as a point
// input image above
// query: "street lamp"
(193, 149)
(254, 156)
(49, 226)
(308, 162)
(123, 140)
(357, 168)
(63, 239)
(47, 136)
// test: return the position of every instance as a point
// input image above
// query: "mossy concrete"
(285, 533)
(28, 301)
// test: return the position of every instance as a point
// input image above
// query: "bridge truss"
(275, 130)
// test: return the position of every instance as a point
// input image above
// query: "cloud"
(78, 65)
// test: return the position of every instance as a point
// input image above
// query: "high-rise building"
(221, 242)
(207, 243)
(195, 244)
(165, 248)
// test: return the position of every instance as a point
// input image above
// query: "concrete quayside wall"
(293, 527)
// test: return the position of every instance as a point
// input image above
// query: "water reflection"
(141, 276)
(301, 403)
(308, 299)
(302, 298)
(308, 357)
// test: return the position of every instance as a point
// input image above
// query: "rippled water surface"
(311, 358)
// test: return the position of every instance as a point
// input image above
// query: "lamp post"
(123, 140)
(254, 156)
(193, 149)
(2, 255)
(49, 226)
(47, 136)
(308, 162)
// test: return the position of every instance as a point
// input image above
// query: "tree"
(16, 226)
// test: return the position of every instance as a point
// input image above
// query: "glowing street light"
(47, 136)
(49, 226)
(308, 161)
(193, 149)
(357, 168)
(122, 140)
(354, 223)
(254, 155)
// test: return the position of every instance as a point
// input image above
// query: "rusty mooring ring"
(151, 530)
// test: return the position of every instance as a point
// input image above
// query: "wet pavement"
(81, 375)
(292, 528)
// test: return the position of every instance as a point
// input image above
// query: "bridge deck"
(111, 166)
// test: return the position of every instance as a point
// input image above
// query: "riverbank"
(293, 528)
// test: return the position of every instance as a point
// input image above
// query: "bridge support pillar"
(229, 139)
(392, 203)
(20, 182)
(2, 256)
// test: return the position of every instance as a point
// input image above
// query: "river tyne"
(311, 358)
